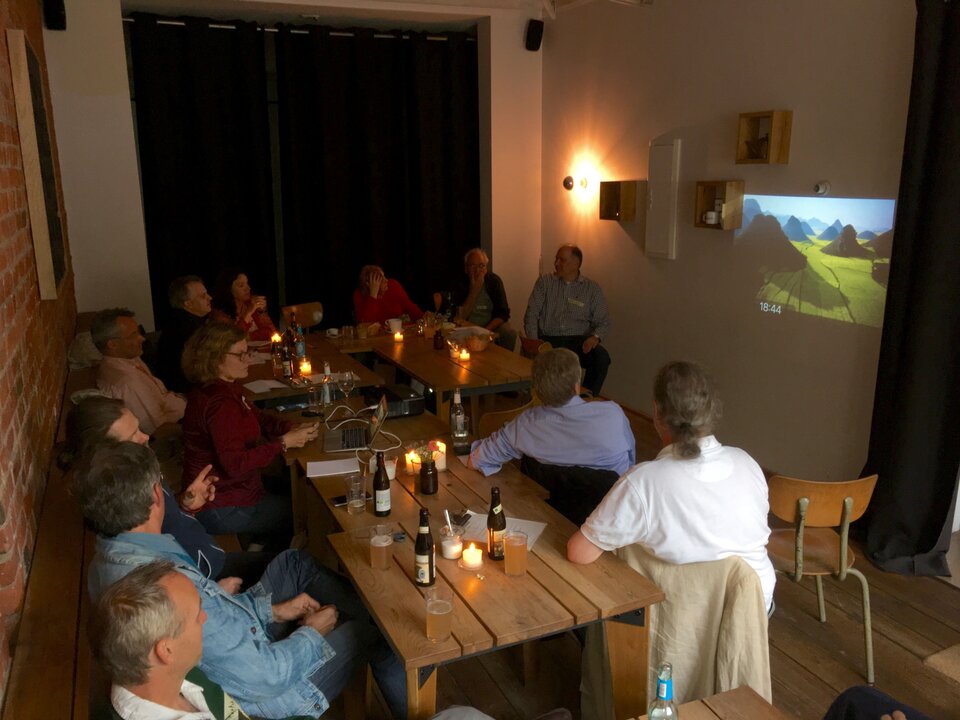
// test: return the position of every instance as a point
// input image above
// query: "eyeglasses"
(482, 266)
(245, 355)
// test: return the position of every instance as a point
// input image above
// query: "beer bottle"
(663, 705)
(299, 341)
(496, 526)
(425, 561)
(381, 489)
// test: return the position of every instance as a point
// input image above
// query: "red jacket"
(221, 429)
(391, 304)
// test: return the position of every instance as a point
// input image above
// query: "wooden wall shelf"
(764, 137)
(729, 193)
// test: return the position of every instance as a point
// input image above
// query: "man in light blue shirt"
(565, 430)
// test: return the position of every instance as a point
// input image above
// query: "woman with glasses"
(220, 428)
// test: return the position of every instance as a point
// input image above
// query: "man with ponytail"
(697, 501)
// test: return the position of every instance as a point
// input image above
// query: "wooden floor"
(811, 662)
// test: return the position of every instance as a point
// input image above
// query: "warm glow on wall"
(584, 182)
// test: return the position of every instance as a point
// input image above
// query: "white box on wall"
(662, 197)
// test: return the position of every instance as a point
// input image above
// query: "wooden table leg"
(421, 701)
(627, 650)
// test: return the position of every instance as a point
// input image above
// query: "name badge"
(574, 301)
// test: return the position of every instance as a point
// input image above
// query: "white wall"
(91, 101)
(101, 184)
(798, 392)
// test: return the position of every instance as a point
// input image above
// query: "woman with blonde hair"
(222, 429)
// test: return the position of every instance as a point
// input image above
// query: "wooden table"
(740, 704)
(491, 611)
(491, 371)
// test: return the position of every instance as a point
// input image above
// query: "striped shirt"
(557, 307)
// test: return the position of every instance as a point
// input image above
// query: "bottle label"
(382, 500)
(495, 543)
(665, 689)
(301, 349)
(423, 569)
(497, 510)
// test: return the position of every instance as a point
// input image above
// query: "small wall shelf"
(764, 137)
(725, 194)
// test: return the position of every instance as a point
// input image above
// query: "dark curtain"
(201, 109)
(915, 436)
(379, 146)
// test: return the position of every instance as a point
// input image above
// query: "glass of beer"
(515, 552)
(381, 546)
(439, 600)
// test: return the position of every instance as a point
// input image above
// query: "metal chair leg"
(867, 625)
(820, 604)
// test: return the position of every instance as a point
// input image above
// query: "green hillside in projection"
(852, 289)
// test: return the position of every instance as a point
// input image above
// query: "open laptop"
(356, 437)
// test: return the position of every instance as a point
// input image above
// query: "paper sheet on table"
(320, 468)
(475, 529)
(262, 386)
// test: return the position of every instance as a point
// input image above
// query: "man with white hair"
(482, 298)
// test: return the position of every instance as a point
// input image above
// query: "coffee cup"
(333, 332)
(711, 217)
(395, 324)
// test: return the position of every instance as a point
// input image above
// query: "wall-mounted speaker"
(534, 35)
(54, 15)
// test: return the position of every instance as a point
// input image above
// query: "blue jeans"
(270, 521)
(356, 640)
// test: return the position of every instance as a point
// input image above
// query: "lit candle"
(472, 557)
(413, 463)
(398, 336)
(275, 338)
(305, 367)
(464, 354)
(440, 455)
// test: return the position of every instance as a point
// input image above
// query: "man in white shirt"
(123, 375)
(697, 501)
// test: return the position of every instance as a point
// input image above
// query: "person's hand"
(323, 621)
(301, 435)
(897, 715)
(295, 608)
(377, 284)
(230, 585)
(476, 274)
(201, 491)
(259, 303)
(590, 343)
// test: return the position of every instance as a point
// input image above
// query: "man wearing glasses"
(482, 299)
(123, 374)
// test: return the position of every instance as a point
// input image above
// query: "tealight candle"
(472, 558)
(464, 354)
(275, 338)
(305, 367)
(412, 463)
(440, 455)
(398, 336)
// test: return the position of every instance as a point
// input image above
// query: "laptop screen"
(376, 422)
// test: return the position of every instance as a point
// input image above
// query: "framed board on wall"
(36, 150)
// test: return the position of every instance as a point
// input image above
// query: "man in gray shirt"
(568, 310)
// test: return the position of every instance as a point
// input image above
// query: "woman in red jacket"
(378, 299)
(234, 302)
(222, 429)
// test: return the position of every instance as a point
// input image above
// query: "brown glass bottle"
(425, 559)
(496, 526)
(381, 489)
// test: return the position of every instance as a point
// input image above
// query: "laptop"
(356, 437)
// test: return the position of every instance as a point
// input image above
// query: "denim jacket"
(268, 678)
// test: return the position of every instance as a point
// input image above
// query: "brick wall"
(33, 340)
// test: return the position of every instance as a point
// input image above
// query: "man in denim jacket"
(252, 644)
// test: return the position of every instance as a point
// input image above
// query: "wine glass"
(346, 382)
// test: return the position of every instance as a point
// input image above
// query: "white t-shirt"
(132, 707)
(685, 511)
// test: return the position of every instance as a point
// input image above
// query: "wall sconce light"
(568, 182)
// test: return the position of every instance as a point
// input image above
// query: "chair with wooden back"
(813, 546)
(531, 347)
(308, 314)
(492, 421)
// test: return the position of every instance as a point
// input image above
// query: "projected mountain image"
(800, 263)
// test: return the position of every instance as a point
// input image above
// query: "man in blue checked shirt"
(568, 310)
